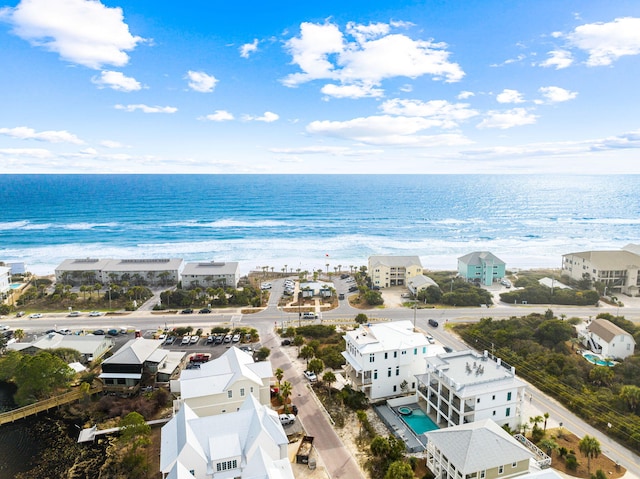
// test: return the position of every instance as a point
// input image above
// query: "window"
(413, 385)
(493, 413)
(389, 372)
(395, 388)
(372, 358)
(395, 354)
(508, 396)
(483, 474)
(397, 370)
(478, 400)
(493, 397)
(241, 392)
(375, 374)
(386, 355)
(229, 393)
(500, 469)
(508, 413)
(514, 465)
(251, 389)
(424, 350)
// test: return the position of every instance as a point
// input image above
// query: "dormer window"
(227, 465)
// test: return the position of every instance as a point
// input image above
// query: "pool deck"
(399, 428)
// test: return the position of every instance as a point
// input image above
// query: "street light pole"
(299, 305)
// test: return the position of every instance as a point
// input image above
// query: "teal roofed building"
(481, 267)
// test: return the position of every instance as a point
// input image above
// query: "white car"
(35, 315)
(195, 339)
(95, 313)
(74, 314)
(65, 331)
(235, 338)
(265, 286)
(430, 339)
(311, 376)
(185, 340)
(286, 419)
(3, 327)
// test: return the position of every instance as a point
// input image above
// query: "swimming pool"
(16, 285)
(593, 359)
(419, 422)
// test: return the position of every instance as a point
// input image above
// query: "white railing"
(543, 460)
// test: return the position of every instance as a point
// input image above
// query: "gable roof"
(395, 260)
(605, 329)
(137, 351)
(214, 377)
(479, 258)
(462, 444)
(391, 336)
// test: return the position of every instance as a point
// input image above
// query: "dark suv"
(433, 322)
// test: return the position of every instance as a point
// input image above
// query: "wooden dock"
(90, 433)
(26, 411)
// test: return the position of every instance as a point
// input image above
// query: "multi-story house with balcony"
(478, 450)
(383, 359)
(466, 386)
(387, 271)
(481, 267)
(617, 269)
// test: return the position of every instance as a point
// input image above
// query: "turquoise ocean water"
(309, 221)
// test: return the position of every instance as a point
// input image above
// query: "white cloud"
(112, 144)
(201, 82)
(385, 130)
(147, 109)
(249, 48)
(555, 94)
(51, 136)
(116, 81)
(559, 59)
(325, 150)
(440, 112)
(268, 117)
(369, 55)
(39, 153)
(509, 96)
(606, 42)
(463, 95)
(507, 118)
(218, 115)
(85, 32)
(352, 91)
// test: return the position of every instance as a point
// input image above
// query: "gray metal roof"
(480, 257)
(210, 268)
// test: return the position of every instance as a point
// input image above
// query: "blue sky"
(546, 86)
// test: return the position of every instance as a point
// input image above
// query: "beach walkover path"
(21, 413)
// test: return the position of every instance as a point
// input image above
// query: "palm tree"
(19, 334)
(631, 395)
(329, 378)
(590, 447)
(548, 445)
(535, 420)
(546, 416)
(285, 391)
(279, 374)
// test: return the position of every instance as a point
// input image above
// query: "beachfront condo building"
(211, 274)
(383, 359)
(465, 386)
(481, 267)
(387, 271)
(617, 269)
(143, 272)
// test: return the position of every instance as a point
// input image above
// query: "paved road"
(337, 460)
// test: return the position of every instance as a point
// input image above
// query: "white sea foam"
(228, 223)
(12, 225)
(315, 253)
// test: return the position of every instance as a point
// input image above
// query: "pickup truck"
(200, 357)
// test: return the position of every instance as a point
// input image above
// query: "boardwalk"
(90, 434)
(21, 413)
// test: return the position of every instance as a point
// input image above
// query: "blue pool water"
(596, 360)
(419, 422)
(15, 285)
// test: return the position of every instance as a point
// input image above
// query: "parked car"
(170, 340)
(353, 288)
(209, 339)
(433, 322)
(64, 331)
(311, 376)
(265, 286)
(505, 282)
(294, 409)
(3, 327)
(187, 311)
(309, 315)
(285, 342)
(204, 311)
(235, 338)
(228, 338)
(99, 332)
(185, 340)
(19, 314)
(447, 349)
(341, 296)
(93, 314)
(113, 332)
(35, 315)
(430, 339)
(286, 419)
(344, 276)
(219, 339)
(195, 339)
(74, 314)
